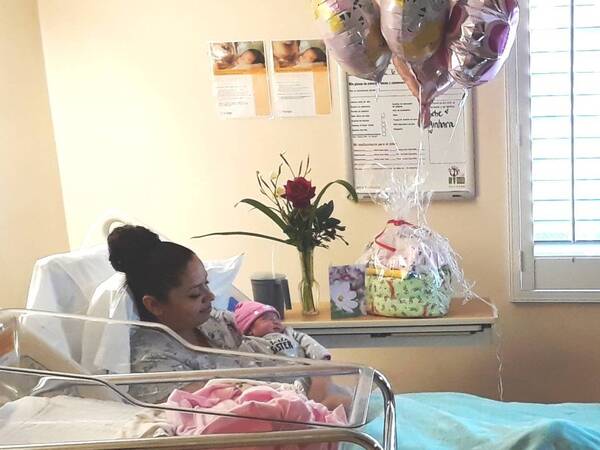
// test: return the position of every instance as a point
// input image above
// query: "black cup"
(272, 290)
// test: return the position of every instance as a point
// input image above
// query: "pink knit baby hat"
(247, 312)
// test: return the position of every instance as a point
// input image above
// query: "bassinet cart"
(48, 399)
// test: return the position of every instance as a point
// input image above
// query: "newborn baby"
(265, 333)
(312, 55)
(250, 57)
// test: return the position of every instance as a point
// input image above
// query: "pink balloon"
(480, 36)
(351, 29)
(426, 80)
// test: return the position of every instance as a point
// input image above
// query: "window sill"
(564, 296)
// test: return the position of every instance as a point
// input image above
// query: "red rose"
(299, 191)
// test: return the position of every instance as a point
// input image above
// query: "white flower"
(343, 297)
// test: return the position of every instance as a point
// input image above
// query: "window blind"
(564, 44)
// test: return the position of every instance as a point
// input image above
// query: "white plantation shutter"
(554, 117)
(564, 45)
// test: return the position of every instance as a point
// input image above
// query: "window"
(554, 128)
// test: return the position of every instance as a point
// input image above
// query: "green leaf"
(265, 210)
(260, 186)
(325, 210)
(242, 233)
(331, 222)
(287, 164)
(344, 183)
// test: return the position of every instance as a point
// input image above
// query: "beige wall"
(32, 221)
(136, 130)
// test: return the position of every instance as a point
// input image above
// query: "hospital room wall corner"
(32, 218)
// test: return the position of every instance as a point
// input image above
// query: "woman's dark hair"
(259, 58)
(151, 266)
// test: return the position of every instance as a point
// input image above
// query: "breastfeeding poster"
(300, 78)
(240, 81)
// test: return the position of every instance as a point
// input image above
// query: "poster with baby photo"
(240, 80)
(300, 78)
(347, 291)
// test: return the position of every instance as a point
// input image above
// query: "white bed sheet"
(40, 420)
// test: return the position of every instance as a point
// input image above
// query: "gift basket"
(408, 272)
(411, 270)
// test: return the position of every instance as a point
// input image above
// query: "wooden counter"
(462, 320)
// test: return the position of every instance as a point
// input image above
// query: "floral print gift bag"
(347, 291)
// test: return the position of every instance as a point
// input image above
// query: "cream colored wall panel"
(32, 221)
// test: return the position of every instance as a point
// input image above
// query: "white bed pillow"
(64, 283)
(105, 347)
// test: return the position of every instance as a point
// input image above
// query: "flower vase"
(309, 288)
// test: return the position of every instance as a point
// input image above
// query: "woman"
(169, 286)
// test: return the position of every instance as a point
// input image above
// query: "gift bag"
(347, 291)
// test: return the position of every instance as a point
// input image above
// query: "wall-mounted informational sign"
(240, 82)
(300, 78)
(381, 134)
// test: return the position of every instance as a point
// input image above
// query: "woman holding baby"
(169, 285)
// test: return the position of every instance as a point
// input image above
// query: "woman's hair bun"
(129, 246)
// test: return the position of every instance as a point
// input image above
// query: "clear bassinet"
(68, 382)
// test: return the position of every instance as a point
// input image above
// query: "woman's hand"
(325, 391)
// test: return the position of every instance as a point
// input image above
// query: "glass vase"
(309, 288)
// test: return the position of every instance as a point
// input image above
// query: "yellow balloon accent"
(425, 43)
(336, 24)
(324, 13)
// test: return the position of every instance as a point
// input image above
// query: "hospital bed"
(49, 400)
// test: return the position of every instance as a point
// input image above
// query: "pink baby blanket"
(262, 401)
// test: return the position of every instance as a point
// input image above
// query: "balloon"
(351, 29)
(414, 29)
(480, 36)
(426, 80)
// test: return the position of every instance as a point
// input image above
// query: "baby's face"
(247, 57)
(267, 323)
(308, 56)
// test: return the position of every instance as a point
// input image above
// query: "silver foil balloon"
(351, 29)
(480, 36)
(414, 29)
(426, 80)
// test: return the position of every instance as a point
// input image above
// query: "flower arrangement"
(300, 213)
